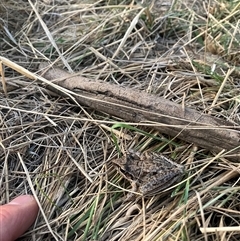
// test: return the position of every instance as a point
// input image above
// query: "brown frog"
(148, 173)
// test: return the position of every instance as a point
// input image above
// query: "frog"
(149, 173)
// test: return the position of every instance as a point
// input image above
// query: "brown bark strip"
(137, 106)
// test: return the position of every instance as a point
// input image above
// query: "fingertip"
(17, 216)
(23, 200)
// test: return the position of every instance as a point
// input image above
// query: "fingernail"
(22, 200)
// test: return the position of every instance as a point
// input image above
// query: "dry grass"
(186, 51)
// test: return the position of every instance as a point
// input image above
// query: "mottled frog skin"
(149, 173)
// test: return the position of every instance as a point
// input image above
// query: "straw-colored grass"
(186, 51)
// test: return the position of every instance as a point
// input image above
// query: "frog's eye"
(126, 172)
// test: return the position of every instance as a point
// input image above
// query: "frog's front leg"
(133, 192)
